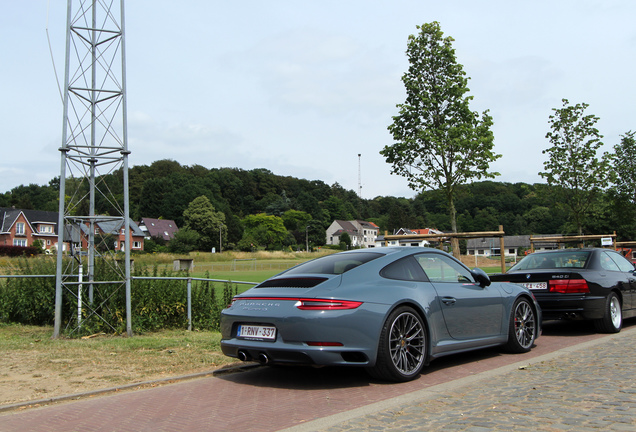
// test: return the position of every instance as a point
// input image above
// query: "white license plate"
(535, 285)
(256, 332)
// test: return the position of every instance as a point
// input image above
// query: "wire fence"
(188, 280)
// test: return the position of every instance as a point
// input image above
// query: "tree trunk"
(453, 217)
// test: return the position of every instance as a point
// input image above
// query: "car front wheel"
(402, 347)
(612, 320)
(522, 328)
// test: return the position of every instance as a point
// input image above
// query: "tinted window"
(608, 263)
(334, 264)
(440, 268)
(623, 263)
(553, 260)
(404, 269)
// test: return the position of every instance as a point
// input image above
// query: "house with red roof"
(20, 227)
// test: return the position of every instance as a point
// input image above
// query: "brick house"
(114, 228)
(22, 227)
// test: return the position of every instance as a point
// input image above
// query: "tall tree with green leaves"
(439, 142)
(624, 167)
(201, 216)
(574, 170)
(265, 230)
(623, 190)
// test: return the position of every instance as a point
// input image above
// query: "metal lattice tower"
(359, 176)
(94, 145)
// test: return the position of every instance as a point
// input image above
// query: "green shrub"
(155, 304)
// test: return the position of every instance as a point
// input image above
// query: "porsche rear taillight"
(569, 286)
(326, 304)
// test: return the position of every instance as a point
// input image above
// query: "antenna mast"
(94, 145)
(359, 176)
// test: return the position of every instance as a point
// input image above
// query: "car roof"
(390, 250)
(570, 250)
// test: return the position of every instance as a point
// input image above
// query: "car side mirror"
(481, 277)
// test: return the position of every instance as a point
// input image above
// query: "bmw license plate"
(256, 332)
(535, 285)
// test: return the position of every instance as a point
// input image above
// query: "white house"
(362, 233)
(408, 241)
(513, 245)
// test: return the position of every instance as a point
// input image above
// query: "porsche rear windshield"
(553, 260)
(334, 264)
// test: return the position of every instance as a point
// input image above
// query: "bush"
(155, 304)
(18, 251)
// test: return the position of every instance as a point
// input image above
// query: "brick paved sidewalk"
(590, 388)
(570, 381)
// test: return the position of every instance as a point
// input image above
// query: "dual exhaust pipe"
(245, 356)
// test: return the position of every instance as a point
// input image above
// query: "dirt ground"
(472, 261)
(30, 381)
(39, 368)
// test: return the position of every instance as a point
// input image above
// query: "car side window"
(404, 269)
(608, 263)
(439, 268)
(623, 264)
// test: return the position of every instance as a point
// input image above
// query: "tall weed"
(155, 304)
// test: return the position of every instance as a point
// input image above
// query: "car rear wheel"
(522, 328)
(612, 320)
(402, 347)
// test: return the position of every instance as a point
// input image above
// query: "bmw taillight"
(326, 304)
(569, 286)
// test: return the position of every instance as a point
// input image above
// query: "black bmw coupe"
(592, 284)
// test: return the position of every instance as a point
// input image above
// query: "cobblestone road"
(589, 389)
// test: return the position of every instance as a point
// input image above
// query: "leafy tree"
(266, 230)
(622, 211)
(201, 217)
(184, 241)
(316, 233)
(296, 223)
(574, 171)
(308, 203)
(335, 209)
(439, 142)
(234, 229)
(155, 244)
(345, 241)
(486, 220)
(624, 168)
(295, 220)
(400, 216)
(153, 201)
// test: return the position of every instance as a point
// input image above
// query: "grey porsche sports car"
(391, 310)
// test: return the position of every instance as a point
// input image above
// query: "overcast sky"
(302, 87)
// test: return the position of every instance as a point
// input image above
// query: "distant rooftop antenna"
(359, 177)
(94, 144)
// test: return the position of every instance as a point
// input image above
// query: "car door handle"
(449, 301)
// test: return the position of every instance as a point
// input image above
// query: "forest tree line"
(165, 189)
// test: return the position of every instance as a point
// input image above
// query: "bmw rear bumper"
(568, 306)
